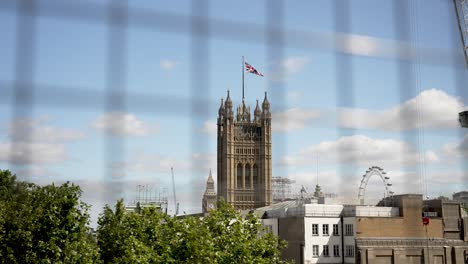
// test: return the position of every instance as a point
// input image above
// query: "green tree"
(224, 236)
(46, 224)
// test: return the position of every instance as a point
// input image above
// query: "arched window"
(239, 175)
(255, 175)
(247, 175)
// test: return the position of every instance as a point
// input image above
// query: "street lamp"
(463, 118)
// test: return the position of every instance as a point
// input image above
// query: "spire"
(257, 112)
(221, 108)
(210, 185)
(210, 178)
(266, 104)
(228, 103)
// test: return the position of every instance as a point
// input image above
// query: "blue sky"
(381, 128)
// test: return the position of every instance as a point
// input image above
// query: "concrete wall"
(397, 227)
(349, 240)
(291, 229)
(416, 255)
(409, 224)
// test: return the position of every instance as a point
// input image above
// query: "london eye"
(374, 171)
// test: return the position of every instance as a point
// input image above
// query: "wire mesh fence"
(203, 29)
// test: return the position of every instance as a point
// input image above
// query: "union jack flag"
(251, 69)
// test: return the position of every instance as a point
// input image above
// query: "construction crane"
(176, 204)
(461, 9)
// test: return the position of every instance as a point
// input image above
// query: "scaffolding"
(281, 188)
(148, 196)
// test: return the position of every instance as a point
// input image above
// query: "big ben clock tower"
(209, 197)
(244, 155)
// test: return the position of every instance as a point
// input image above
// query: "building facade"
(405, 239)
(244, 155)
(395, 234)
(315, 233)
(209, 197)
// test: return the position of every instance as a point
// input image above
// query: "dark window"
(325, 229)
(255, 175)
(315, 229)
(247, 175)
(239, 175)
(325, 251)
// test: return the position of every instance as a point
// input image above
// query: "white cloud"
(293, 119)
(437, 109)
(295, 95)
(454, 151)
(121, 124)
(294, 64)
(34, 142)
(36, 171)
(289, 66)
(168, 64)
(32, 153)
(360, 150)
(204, 162)
(38, 131)
(209, 127)
(359, 45)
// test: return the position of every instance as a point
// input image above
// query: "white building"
(319, 233)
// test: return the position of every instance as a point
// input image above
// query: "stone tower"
(244, 155)
(209, 197)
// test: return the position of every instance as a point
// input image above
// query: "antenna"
(316, 167)
(176, 204)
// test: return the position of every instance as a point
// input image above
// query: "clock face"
(211, 205)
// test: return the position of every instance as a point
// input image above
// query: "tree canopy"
(43, 224)
(223, 236)
(50, 224)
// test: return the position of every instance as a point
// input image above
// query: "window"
(247, 175)
(239, 175)
(336, 231)
(325, 251)
(315, 251)
(315, 229)
(349, 230)
(269, 228)
(255, 175)
(325, 229)
(349, 251)
(336, 250)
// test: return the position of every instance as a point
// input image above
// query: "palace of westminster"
(243, 157)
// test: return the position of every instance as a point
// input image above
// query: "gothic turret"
(228, 103)
(257, 113)
(221, 108)
(266, 108)
(266, 104)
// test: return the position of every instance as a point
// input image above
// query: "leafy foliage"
(43, 224)
(224, 236)
(49, 224)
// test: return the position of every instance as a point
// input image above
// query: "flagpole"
(243, 63)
